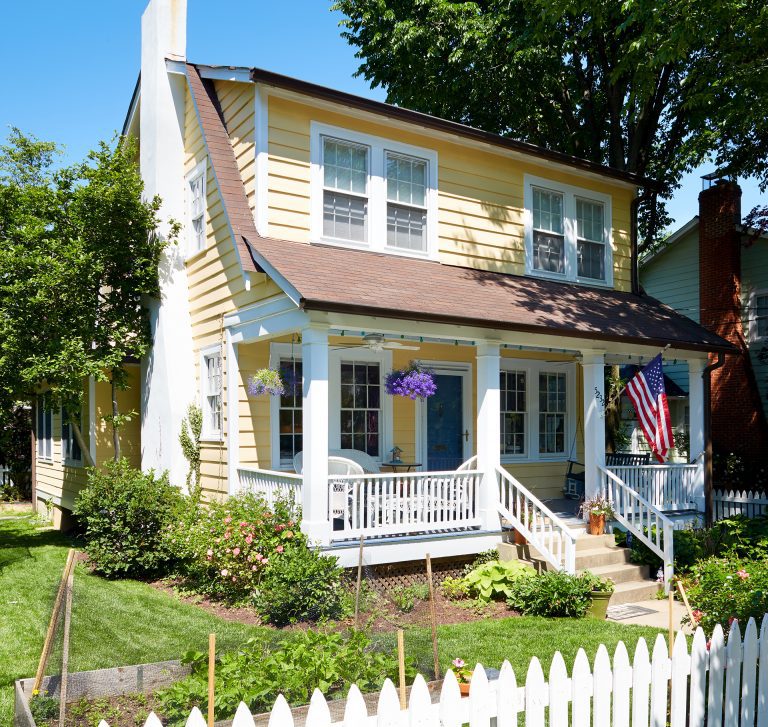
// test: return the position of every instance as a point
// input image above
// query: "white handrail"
(554, 540)
(271, 484)
(635, 513)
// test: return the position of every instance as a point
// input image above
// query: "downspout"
(634, 273)
(709, 502)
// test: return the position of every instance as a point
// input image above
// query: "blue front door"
(445, 424)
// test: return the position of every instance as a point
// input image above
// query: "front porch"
(512, 409)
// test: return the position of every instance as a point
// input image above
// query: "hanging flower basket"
(413, 382)
(266, 381)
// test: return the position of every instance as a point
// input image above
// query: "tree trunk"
(612, 414)
(84, 449)
(115, 427)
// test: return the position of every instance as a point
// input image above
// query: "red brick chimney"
(738, 422)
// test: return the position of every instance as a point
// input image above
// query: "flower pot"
(519, 538)
(596, 524)
(464, 689)
(599, 606)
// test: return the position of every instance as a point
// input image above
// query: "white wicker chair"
(368, 463)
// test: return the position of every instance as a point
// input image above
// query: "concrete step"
(595, 557)
(624, 573)
(634, 591)
(593, 542)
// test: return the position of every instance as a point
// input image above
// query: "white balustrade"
(403, 503)
(665, 486)
(270, 484)
(554, 540)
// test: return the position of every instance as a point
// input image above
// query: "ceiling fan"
(378, 342)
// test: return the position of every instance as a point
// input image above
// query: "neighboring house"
(716, 273)
(336, 238)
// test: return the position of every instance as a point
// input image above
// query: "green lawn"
(125, 622)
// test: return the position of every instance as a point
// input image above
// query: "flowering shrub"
(225, 548)
(266, 381)
(722, 590)
(413, 382)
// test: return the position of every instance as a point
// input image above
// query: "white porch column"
(233, 415)
(488, 430)
(314, 353)
(593, 368)
(696, 444)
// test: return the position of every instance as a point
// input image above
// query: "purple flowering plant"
(266, 381)
(414, 382)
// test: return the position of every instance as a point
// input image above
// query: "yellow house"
(336, 239)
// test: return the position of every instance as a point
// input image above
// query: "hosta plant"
(493, 581)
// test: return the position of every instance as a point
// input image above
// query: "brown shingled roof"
(339, 279)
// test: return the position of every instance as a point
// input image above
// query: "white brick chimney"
(168, 380)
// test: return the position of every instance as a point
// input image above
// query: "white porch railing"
(645, 521)
(665, 486)
(270, 483)
(403, 504)
(554, 540)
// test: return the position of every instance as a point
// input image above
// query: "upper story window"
(373, 193)
(44, 429)
(196, 203)
(210, 377)
(567, 232)
(758, 315)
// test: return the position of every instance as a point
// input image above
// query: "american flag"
(646, 390)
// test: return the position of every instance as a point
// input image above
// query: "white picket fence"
(722, 683)
(728, 504)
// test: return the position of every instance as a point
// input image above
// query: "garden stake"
(401, 666)
(359, 580)
(432, 617)
(671, 601)
(687, 605)
(211, 675)
(52, 623)
(65, 648)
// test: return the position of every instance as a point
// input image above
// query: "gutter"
(709, 502)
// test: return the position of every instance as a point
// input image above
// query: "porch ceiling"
(338, 279)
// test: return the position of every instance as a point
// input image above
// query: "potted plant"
(600, 590)
(463, 675)
(266, 381)
(597, 508)
(415, 382)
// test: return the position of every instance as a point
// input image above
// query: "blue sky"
(70, 67)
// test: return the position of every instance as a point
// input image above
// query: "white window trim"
(376, 190)
(752, 314)
(49, 438)
(200, 171)
(570, 193)
(65, 458)
(206, 434)
(532, 369)
(279, 351)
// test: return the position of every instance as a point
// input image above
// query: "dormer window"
(567, 232)
(373, 193)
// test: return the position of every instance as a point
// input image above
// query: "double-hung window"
(758, 325)
(372, 193)
(290, 420)
(210, 377)
(44, 429)
(360, 417)
(553, 410)
(513, 412)
(567, 232)
(70, 448)
(196, 208)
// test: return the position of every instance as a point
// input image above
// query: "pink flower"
(253, 567)
(731, 620)
(227, 535)
(228, 519)
(258, 556)
(264, 561)
(709, 644)
(697, 615)
(279, 527)
(236, 552)
(279, 548)
(208, 557)
(249, 539)
(228, 550)
(458, 663)
(290, 523)
(224, 572)
(288, 534)
(218, 540)
(233, 579)
(243, 524)
(742, 574)
(210, 552)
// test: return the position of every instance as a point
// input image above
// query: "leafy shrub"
(405, 597)
(485, 556)
(258, 672)
(721, 590)
(455, 589)
(595, 584)
(224, 549)
(300, 584)
(553, 593)
(493, 580)
(125, 514)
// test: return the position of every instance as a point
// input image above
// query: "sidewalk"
(660, 616)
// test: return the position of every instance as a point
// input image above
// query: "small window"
(211, 378)
(590, 239)
(197, 204)
(44, 429)
(290, 411)
(552, 413)
(548, 231)
(513, 412)
(406, 202)
(361, 407)
(345, 190)
(760, 314)
(70, 449)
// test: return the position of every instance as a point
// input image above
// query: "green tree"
(78, 253)
(654, 87)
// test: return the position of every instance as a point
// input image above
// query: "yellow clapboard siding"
(288, 139)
